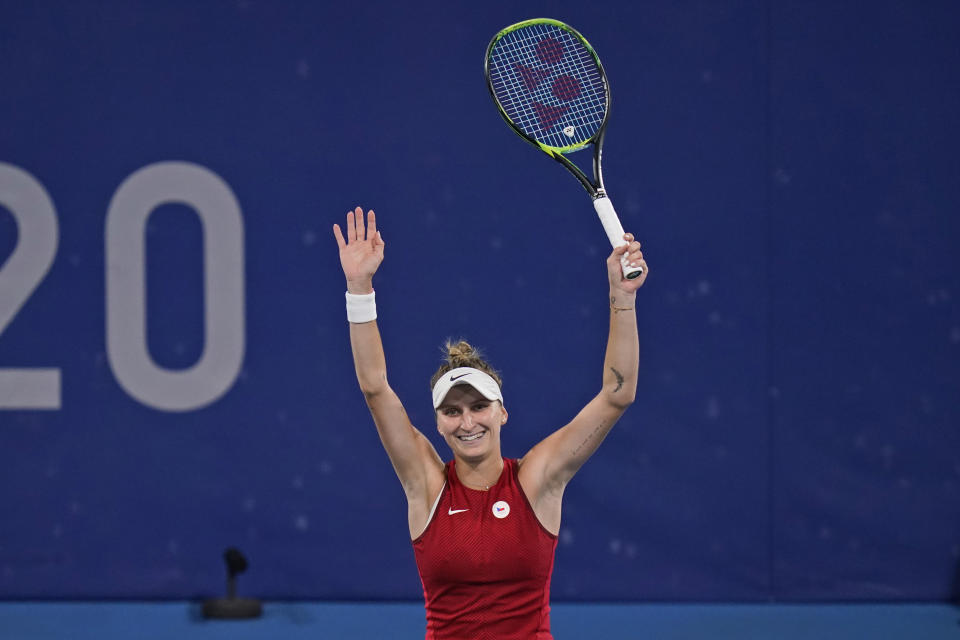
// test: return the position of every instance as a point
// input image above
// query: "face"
(470, 423)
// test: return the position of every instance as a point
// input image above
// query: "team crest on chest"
(501, 509)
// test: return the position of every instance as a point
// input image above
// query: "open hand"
(362, 252)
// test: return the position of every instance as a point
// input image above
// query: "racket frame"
(594, 187)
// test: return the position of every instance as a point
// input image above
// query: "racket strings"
(549, 85)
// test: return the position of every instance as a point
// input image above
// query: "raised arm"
(413, 457)
(549, 466)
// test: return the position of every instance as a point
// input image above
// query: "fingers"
(356, 230)
(628, 241)
(361, 232)
(629, 253)
(339, 236)
(351, 227)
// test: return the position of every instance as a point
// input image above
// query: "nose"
(467, 420)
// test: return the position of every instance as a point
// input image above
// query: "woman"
(484, 528)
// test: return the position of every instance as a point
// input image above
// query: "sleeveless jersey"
(485, 562)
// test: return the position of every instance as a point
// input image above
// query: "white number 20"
(127, 351)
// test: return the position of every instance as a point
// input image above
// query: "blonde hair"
(462, 354)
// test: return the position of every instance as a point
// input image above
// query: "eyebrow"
(469, 404)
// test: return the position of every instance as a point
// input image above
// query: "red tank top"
(485, 562)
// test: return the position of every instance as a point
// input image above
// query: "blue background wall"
(791, 168)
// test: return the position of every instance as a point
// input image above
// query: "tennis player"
(484, 527)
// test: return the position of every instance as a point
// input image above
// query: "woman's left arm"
(550, 465)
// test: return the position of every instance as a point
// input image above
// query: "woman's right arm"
(414, 459)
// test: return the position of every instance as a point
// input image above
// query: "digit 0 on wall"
(224, 326)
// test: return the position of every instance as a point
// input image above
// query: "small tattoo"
(619, 379)
(615, 308)
(588, 438)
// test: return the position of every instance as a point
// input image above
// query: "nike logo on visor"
(452, 378)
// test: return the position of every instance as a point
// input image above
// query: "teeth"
(473, 437)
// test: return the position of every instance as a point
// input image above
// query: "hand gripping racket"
(549, 86)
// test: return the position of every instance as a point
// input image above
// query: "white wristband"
(361, 308)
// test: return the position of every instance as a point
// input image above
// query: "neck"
(479, 475)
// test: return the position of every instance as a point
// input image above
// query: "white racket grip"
(611, 224)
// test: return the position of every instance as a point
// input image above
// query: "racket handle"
(611, 224)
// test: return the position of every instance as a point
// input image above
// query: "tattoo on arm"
(619, 379)
(588, 438)
(615, 308)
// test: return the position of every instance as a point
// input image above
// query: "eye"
(450, 411)
(481, 406)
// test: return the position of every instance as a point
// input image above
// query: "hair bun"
(463, 354)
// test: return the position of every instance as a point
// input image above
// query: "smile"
(472, 437)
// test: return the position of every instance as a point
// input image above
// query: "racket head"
(548, 84)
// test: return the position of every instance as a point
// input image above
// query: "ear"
(503, 418)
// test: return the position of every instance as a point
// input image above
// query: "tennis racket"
(550, 87)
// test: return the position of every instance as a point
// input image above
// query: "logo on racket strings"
(563, 87)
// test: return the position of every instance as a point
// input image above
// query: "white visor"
(477, 379)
